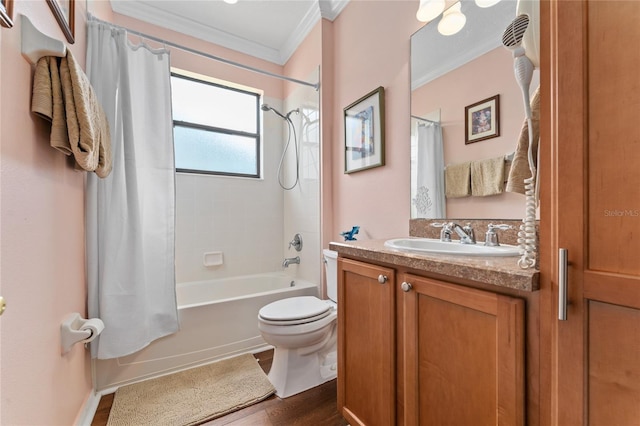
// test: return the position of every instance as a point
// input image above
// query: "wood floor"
(316, 407)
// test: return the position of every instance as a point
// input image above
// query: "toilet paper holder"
(76, 329)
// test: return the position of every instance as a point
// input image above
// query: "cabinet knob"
(382, 279)
(406, 286)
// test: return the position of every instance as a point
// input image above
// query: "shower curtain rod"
(316, 86)
(425, 119)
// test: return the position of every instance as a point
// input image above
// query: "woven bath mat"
(193, 396)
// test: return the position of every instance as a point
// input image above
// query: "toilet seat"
(294, 310)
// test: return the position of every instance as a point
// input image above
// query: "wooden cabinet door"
(463, 355)
(366, 343)
(592, 209)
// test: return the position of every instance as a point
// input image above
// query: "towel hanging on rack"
(62, 94)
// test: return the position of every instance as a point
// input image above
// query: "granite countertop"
(498, 271)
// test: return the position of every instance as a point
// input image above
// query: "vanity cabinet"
(463, 355)
(414, 350)
(366, 343)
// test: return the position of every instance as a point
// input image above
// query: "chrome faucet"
(289, 260)
(463, 233)
(466, 234)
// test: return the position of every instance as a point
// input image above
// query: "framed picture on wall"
(364, 132)
(6, 13)
(64, 11)
(482, 120)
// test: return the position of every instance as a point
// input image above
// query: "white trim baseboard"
(89, 409)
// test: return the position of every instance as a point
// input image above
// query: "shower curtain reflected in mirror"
(428, 201)
(131, 213)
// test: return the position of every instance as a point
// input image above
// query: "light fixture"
(452, 21)
(429, 10)
(231, 1)
(486, 3)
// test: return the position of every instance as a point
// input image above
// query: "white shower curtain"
(130, 214)
(430, 196)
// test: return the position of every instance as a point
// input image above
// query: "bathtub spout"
(288, 261)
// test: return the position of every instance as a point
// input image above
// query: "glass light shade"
(429, 10)
(231, 1)
(452, 21)
(486, 3)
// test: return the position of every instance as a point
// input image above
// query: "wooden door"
(366, 343)
(592, 209)
(463, 355)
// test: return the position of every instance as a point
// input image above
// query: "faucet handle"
(296, 242)
(491, 238)
(503, 226)
(445, 233)
(469, 231)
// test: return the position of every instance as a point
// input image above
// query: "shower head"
(266, 107)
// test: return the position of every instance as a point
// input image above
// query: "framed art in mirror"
(6, 13)
(482, 120)
(64, 11)
(364, 132)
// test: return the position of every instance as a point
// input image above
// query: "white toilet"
(303, 332)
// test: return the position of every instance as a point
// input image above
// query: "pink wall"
(305, 60)
(371, 49)
(42, 254)
(486, 76)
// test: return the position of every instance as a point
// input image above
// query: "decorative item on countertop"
(349, 235)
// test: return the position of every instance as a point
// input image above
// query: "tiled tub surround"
(497, 271)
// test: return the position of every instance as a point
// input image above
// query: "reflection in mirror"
(448, 74)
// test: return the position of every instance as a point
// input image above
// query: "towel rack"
(36, 44)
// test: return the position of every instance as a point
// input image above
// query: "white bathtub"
(218, 319)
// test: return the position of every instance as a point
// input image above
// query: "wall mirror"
(449, 74)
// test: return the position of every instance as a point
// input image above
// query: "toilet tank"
(331, 269)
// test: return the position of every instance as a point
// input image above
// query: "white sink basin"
(431, 245)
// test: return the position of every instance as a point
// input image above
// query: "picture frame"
(6, 13)
(482, 120)
(64, 12)
(364, 132)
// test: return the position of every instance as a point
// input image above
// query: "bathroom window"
(216, 128)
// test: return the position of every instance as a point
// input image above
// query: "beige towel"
(457, 180)
(46, 101)
(78, 122)
(520, 165)
(86, 121)
(487, 177)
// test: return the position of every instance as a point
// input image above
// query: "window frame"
(215, 129)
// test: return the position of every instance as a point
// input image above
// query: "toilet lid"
(295, 309)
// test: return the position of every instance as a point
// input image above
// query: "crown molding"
(308, 22)
(152, 15)
(328, 9)
(456, 61)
